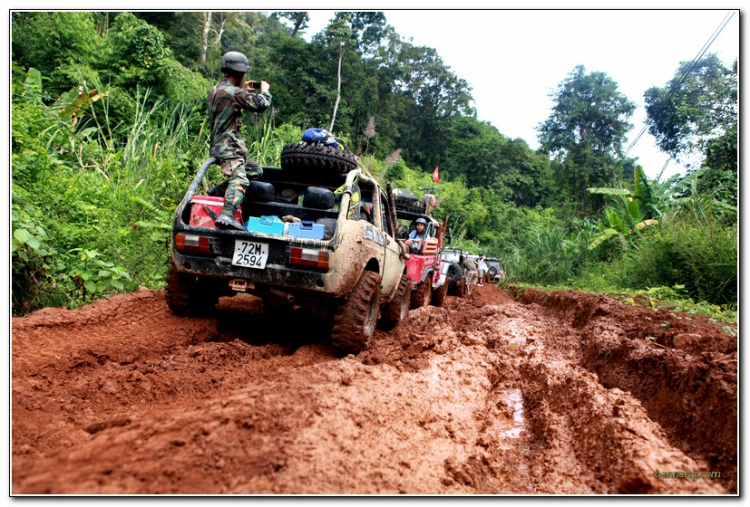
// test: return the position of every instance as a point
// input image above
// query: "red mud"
(562, 393)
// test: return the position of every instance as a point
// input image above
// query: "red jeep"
(423, 263)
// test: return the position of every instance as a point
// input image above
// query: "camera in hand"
(253, 85)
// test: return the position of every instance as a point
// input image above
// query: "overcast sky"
(513, 59)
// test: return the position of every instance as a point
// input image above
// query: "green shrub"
(182, 84)
(31, 253)
(700, 256)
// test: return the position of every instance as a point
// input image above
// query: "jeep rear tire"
(423, 293)
(355, 320)
(187, 296)
(397, 310)
(317, 156)
(438, 295)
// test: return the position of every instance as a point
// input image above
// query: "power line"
(685, 74)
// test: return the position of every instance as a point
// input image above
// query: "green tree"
(585, 132)
(486, 158)
(720, 180)
(137, 52)
(299, 20)
(369, 30)
(475, 153)
(701, 107)
(647, 202)
(302, 85)
(434, 97)
(63, 46)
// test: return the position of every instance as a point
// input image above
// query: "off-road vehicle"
(452, 272)
(423, 264)
(320, 239)
(495, 270)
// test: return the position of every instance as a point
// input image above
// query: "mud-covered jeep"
(423, 263)
(315, 239)
(452, 272)
(495, 270)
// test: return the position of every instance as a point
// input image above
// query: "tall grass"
(265, 141)
(114, 169)
(550, 254)
(111, 184)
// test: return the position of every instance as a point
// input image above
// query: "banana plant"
(628, 210)
(656, 197)
(647, 204)
(622, 216)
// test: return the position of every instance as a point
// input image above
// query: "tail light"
(310, 257)
(191, 243)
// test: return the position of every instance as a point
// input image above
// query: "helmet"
(421, 221)
(234, 60)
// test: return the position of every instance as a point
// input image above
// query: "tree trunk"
(298, 24)
(102, 25)
(220, 31)
(206, 28)
(338, 88)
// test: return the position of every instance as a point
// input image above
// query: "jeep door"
(393, 265)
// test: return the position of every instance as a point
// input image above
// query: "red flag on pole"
(436, 175)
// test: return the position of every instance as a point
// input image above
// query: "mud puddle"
(511, 426)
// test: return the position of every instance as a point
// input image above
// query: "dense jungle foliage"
(108, 129)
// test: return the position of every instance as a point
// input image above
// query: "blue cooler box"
(266, 224)
(306, 229)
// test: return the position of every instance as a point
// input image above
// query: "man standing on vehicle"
(226, 101)
(417, 235)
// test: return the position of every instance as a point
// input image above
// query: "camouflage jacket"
(225, 105)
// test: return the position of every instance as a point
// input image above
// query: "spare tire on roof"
(407, 201)
(317, 156)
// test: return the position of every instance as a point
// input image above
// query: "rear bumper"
(301, 283)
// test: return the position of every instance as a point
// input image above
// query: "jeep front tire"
(423, 293)
(438, 295)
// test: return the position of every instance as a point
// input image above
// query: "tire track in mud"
(486, 395)
(680, 368)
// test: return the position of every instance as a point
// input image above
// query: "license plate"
(249, 254)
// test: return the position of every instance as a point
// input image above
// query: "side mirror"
(403, 231)
(447, 239)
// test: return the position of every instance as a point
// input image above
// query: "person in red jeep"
(414, 242)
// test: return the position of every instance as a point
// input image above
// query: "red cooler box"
(199, 217)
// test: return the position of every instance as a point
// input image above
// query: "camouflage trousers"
(238, 170)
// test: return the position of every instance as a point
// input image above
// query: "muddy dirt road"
(565, 393)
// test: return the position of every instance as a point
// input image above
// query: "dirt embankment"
(562, 393)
